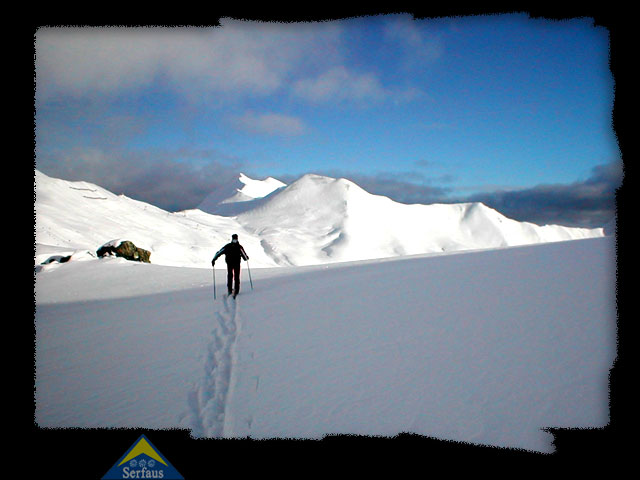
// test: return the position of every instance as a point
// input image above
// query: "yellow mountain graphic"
(142, 447)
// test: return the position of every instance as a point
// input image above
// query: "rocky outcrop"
(125, 249)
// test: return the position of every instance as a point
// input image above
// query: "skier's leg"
(229, 279)
(236, 274)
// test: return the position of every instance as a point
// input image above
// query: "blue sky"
(504, 109)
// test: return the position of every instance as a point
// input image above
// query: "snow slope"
(315, 220)
(320, 219)
(80, 217)
(487, 347)
(240, 196)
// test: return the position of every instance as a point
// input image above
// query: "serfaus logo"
(143, 460)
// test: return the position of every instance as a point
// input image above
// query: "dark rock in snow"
(125, 249)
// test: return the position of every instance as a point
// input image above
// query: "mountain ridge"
(314, 220)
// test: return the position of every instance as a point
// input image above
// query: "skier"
(233, 252)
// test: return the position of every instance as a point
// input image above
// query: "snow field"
(487, 347)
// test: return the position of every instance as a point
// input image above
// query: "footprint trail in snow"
(208, 400)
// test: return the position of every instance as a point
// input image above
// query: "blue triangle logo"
(143, 460)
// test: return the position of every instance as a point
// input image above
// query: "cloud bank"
(590, 203)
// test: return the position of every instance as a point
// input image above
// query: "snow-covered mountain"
(320, 219)
(73, 218)
(239, 196)
(314, 220)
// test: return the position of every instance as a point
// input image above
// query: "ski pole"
(214, 282)
(249, 270)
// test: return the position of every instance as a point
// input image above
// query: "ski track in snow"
(207, 401)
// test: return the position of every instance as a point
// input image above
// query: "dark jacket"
(233, 252)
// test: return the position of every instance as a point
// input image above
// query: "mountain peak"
(237, 196)
(253, 189)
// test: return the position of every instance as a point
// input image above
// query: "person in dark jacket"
(233, 252)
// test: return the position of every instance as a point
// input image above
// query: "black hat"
(234, 236)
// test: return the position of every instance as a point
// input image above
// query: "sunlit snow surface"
(488, 346)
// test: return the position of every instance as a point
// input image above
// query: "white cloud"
(238, 57)
(270, 124)
(419, 44)
(339, 83)
(76, 61)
